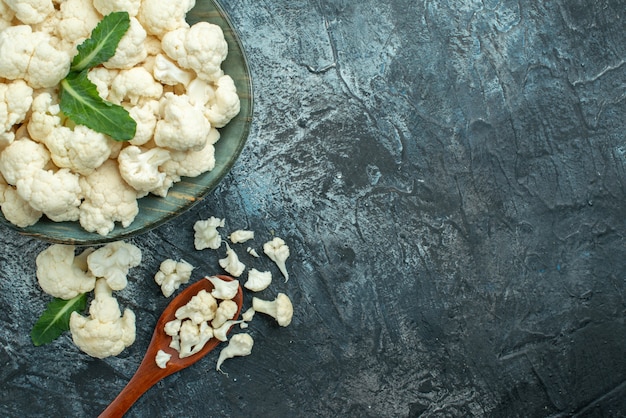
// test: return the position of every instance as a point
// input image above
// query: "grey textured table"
(450, 177)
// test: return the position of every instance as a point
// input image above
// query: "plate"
(153, 210)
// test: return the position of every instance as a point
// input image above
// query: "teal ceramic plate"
(154, 211)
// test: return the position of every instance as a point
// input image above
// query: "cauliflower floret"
(219, 99)
(15, 100)
(113, 261)
(278, 252)
(193, 337)
(206, 234)
(169, 73)
(106, 7)
(102, 78)
(182, 127)
(44, 117)
(134, 86)
(172, 274)
(140, 169)
(200, 308)
(105, 332)
(131, 50)
(241, 235)
(239, 345)
(231, 263)
(258, 280)
(201, 48)
(226, 309)
(162, 16)
(77, 19)
(146, 118)
(31, 56)
(108, 199)
(81, 149)
(30, 11)
(17, 210)
(21, 158)
(6, 16)
(55, 193)
(62, 274)
(223, 289)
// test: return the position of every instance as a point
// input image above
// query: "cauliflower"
(162, 358)
(140, 169)
(278, 252)
(31, 56)
(44, 117)
(169, 73)
(146, 118)
(6, 16)
(15, 209)
(15, 101)
(219, 99)
(231, 263)
(183, 126)
(172, 274)
(102, 78)
(201, 48)
(193, 337)
(131, 50)
(239, 345)
(162, 16)
(106, 7)
(134, 86)
(21, 158)
(113, 261)
(55, 193)
(107, 199)
(223, 289)
(62, 274)
(200, 308)
(226, 309)
(240, 236)
(30, 11)
(258, 280)
(280, 308)
(206, 234)
(81, 149)
(105, 332)
(77, 18)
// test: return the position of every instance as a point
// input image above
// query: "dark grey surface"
(450, 177)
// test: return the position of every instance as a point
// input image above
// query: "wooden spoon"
(148, 372)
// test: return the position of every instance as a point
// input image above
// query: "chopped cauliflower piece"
(239, 345)
(162, 358)
(200, 308)
(240, 236)
(231, 263)
(278, 252)
(206, 234)
(172, 274)
(113, 261)
(62, 274)
(258, 280)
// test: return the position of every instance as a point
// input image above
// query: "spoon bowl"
(149, 373)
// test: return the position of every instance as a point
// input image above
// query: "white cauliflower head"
(15, 100)
(44, 116)
(206, 234)
(201, 48)
(140, 168)
(134, 86)
(172, 274)
(162, 16)
(55, 193)
(113, 261)
(183, 126)
(105, 332)
(21, 158)
(30, 11)
(62, 274)
(107, 199)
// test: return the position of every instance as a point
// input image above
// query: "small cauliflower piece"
(146, 118)
(107, 199)
(172, 274)
(167, 72)
(105, 332)
(278, 252)
(280, 308)
(44, 116)
(239, 345)
(55, 193)
(200, 308)
(106, 7)
(15, 100)
(231, 263)
(248, 315)
(201, 48)
(140, 168)
(240, 236)
(102, 78)
(193, 338)
(221, 332)
(252, 252)
(225, 104)
(31, 11)
(223, 289)
(131, 50)
(162, 358)
(113, 261)
(135, 86)
(17, 210)
(206, 234)
(183, 126)
(77, 18)
(63, 275)
(32, 57)
(257, 280)
(226, 309)
(81, 149)
(159, 17)
(20, 159)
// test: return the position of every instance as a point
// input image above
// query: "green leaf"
(56, 319)
(102, 43)
(81, 103)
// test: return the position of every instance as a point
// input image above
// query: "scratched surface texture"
(451, 179)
